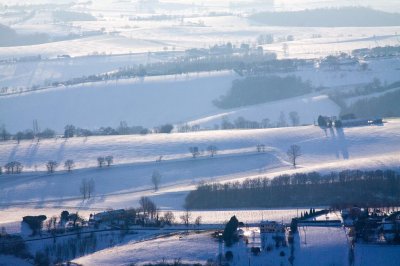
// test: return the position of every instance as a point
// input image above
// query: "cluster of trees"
(107, 160)
(13, 245)
(377, 51)
(261, 89)
(242, 123)
(230, 232)
(16, 167)
(72, 131)
(35, 223)
(123, 129)
(213, 59)
(149, 210)
(345, 188)
(375, 86)
(386, 105)
(196, 152)
(26, 134)
(13, 167)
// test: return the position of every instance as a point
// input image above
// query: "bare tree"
(169, 217)
(87, 188)
(13, 167)
(51, 166)
(5, 135)
(100, 161)
(194, 151)
(69, 165)
(148, 207)
(212, 150)
(109, 159)
(294, 118)
(293, 153)
(84, 188)
(260, 148)
(282, 120)
(197, 222)
(185, 218)
(156, 179)
(91, 187)
(51, 224)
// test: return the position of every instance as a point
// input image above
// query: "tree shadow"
(60, 152)
(11, 157)
(32, 151)
(335, 142)
(342, 142)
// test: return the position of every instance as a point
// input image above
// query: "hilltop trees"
(109, 160)
(167, 128)
(185, 217)
(51, 166)
(4, 134)
(293, 153)
(212, 150)
(69, 131)
(294, 118)
(194, 151)
(100, 161)
(169, 218)
(13, 167)
(69, 165)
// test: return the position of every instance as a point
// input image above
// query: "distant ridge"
(329, 17)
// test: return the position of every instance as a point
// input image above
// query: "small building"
(112, 216)
(272, 234)
(390, 226)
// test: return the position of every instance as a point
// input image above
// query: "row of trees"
(72, 131)
(26, 135)
(293, 119)
(16, 167)
(364, 188)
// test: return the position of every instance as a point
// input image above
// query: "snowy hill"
(135, 160)
(177, 99)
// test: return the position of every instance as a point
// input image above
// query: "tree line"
(261, 89)
(346, 188)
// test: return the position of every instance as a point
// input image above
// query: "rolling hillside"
(135, 157)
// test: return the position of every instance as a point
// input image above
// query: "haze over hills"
(332, 17)
(134, 126)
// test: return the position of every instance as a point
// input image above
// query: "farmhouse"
(272, 234)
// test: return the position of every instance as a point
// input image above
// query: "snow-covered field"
(121, 185)
(44, 72)
(149, 102)
(325, 245)
(129, 33)
(190, 248)
(313, 246)
(177, 99)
